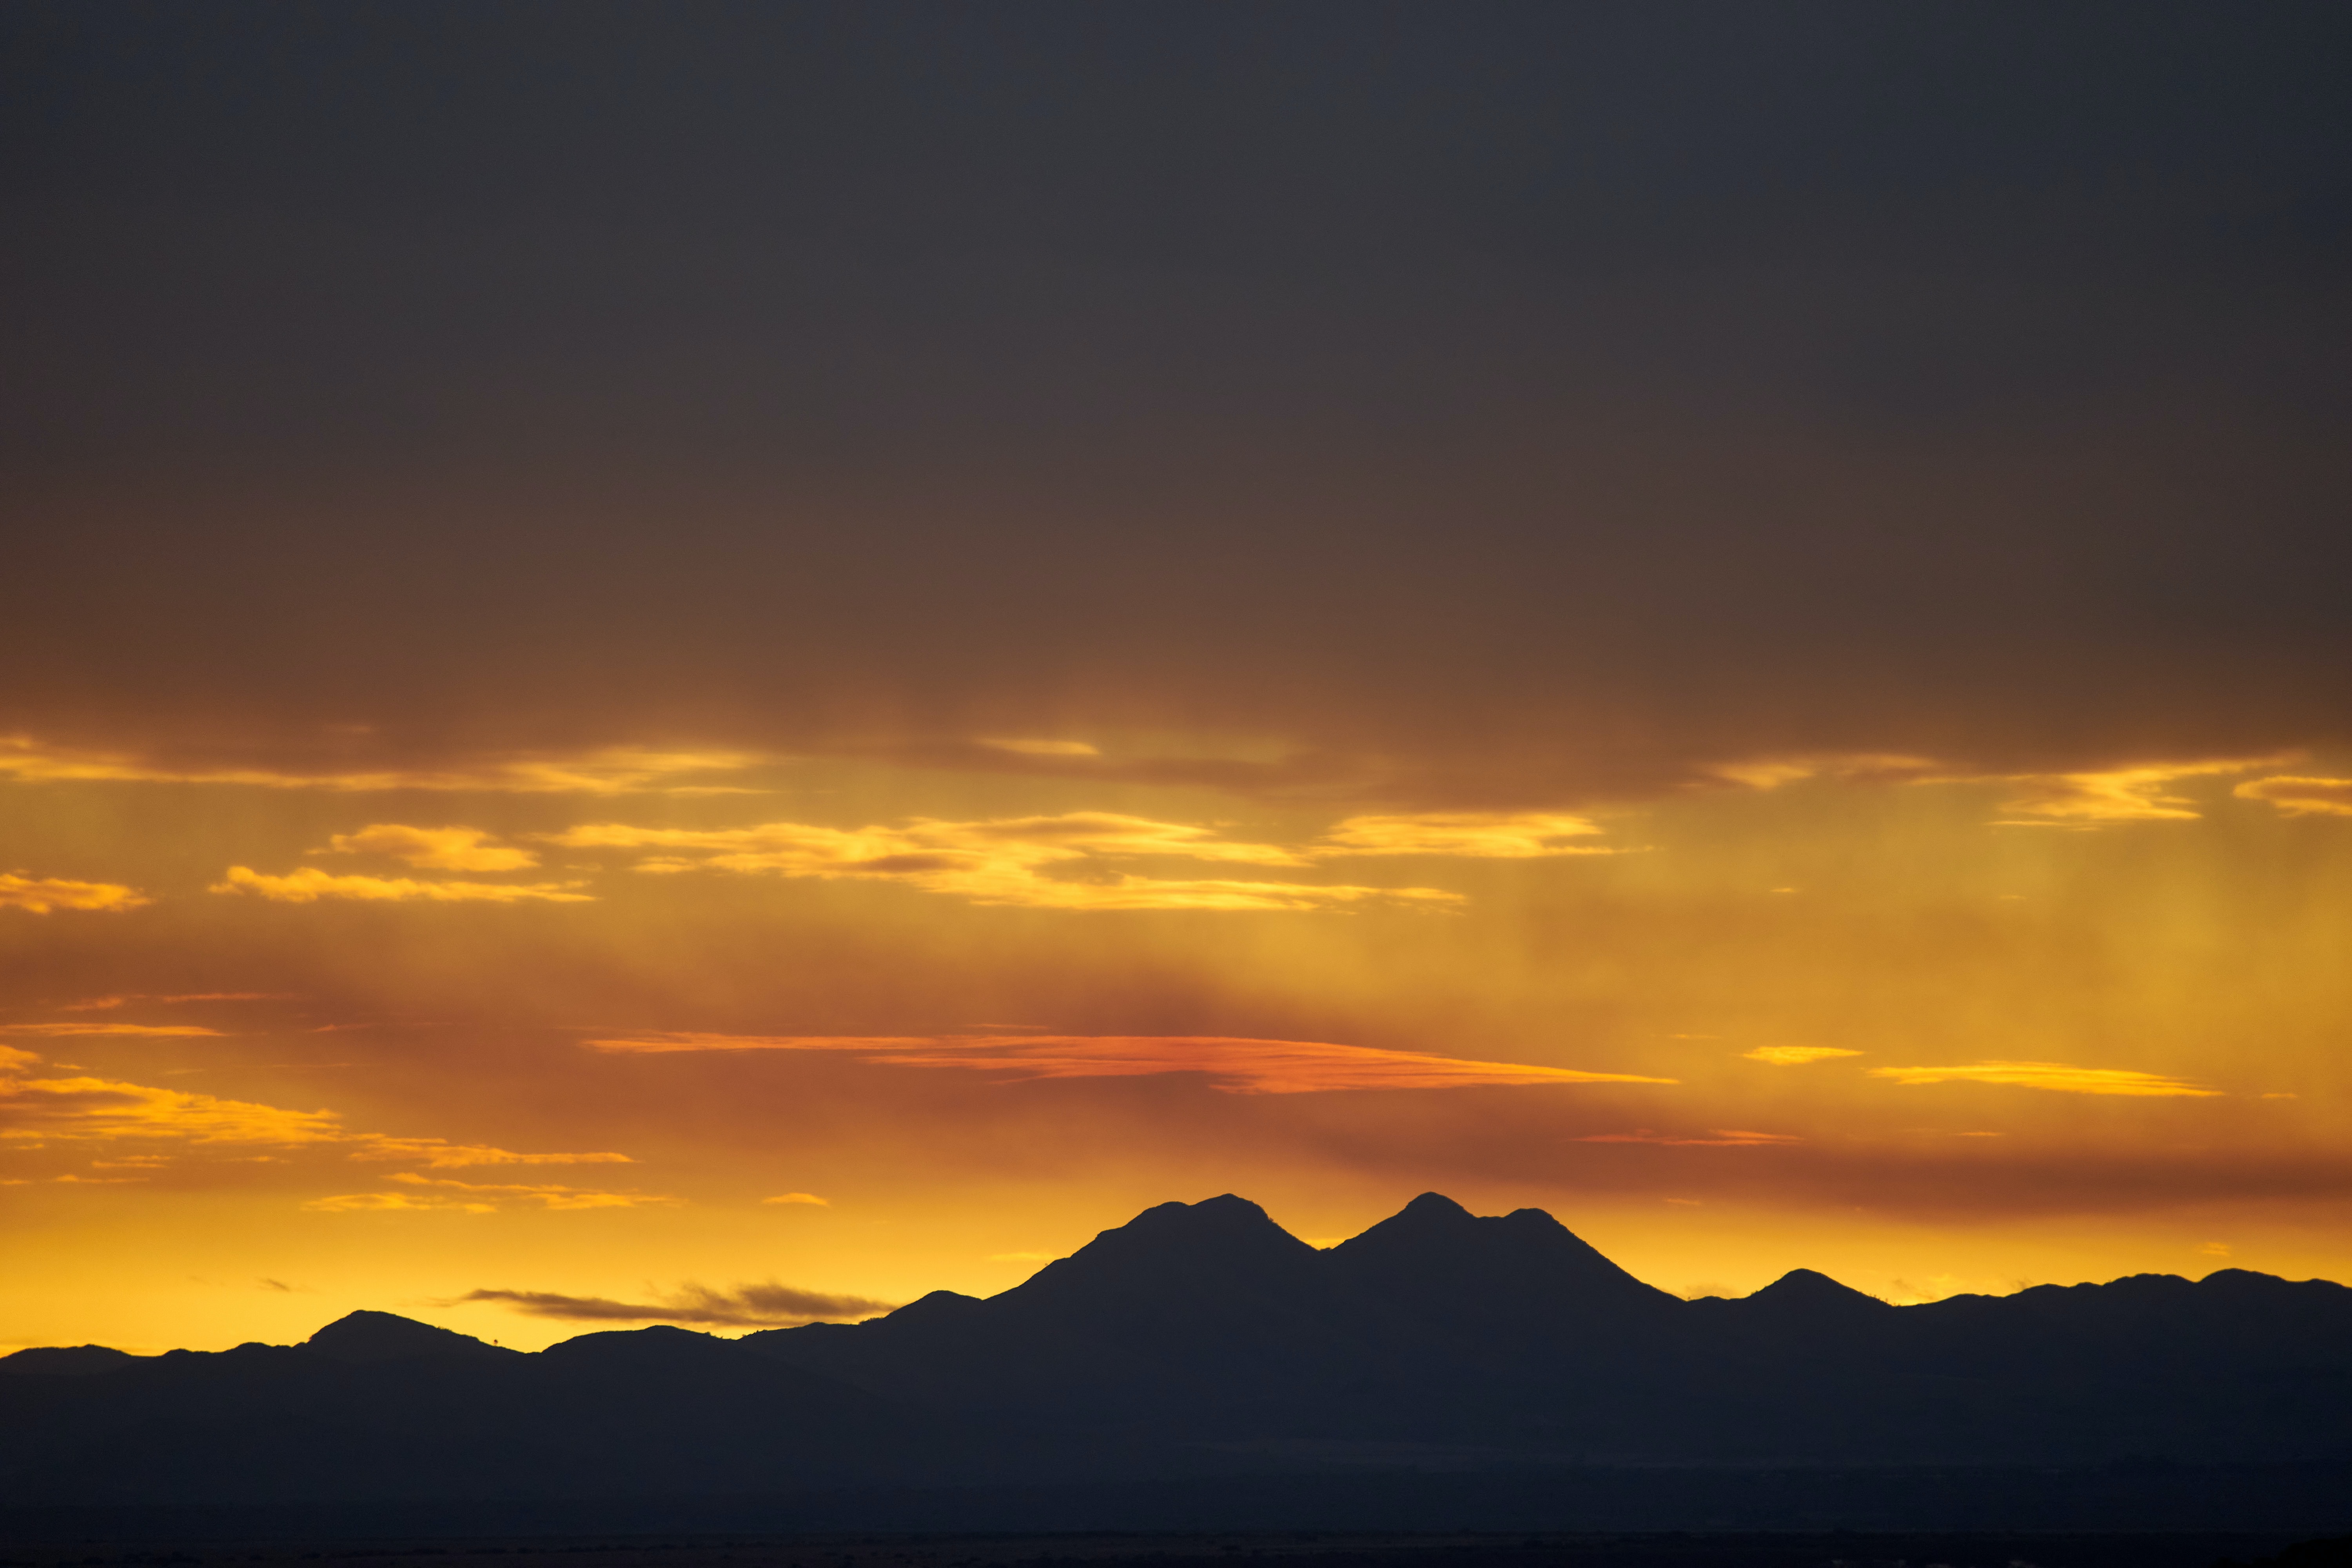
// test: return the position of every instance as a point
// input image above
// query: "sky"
(724, 663)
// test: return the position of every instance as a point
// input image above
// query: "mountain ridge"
(1199, 1335)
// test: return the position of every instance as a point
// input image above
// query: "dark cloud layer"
(1488, 403)
(746, 1306)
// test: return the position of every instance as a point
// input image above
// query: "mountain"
(1201, 1338)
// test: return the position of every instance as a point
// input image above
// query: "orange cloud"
(2300, 796)
(1722, 1138)
(431, 1193)
(308, 884)
(1795, 1056)
(1475, 835)
(610, 770)
(77, 1030)
(1232, 1065)
(108, 1004)
(1002, 861)
(798, 1199)
(432, 848)
(2058, 1076)
(46, 895)
(1024, 748)
(438, 1153)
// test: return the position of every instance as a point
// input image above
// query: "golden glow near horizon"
(710, 1036)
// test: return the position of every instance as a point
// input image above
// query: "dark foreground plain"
(1225, 1550)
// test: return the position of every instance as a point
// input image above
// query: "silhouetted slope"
(1186, 1310)
(658, 1411)
(66, 1361)
(366, 1337)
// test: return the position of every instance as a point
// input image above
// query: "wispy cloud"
(308, 884)
(2300, 796)
(481, 1197)
(87, 1108)
(1473, 834)
(2089, 800)
(609, 770)
(108, 1004)
(1795, 1056)
(746, 1306)
(1036, 748)
(2061, 1077)
(1721, 1138)
(1005, 861)
(1233, 1066)
(799, 1198)
(438, 1153)
(46, 895)
(78, 1030)
(432, 848)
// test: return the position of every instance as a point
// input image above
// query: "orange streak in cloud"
(2060, 1076)
(1232, 1065)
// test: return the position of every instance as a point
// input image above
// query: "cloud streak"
(1232, 1065)
(308, 885)
(2061, 1076)
(769, 1305)
(432, 848)
(608, 770)
(1469, 835)
(1064, 861)
(47, 895)
(2300, 796)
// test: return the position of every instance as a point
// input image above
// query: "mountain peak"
(1806, 1290)
(1434, 1206)
(365, 1336)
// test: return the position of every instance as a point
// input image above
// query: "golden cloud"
(1232, 1065)
(95, 1107)
(1795, 1056)
(308, 884)
(2059, 1076)
(1475, 835)
(2089, 800)
(611, 770)
(432, 848)
(2300, 796)
(798, 1199)
(1000, 861)
(87, 1108)
(1850, 767)
(46, 895)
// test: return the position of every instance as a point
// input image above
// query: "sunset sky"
(722, 663)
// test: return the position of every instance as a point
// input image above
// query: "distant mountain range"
(1199, 1340)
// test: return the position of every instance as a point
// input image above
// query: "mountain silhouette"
(1200, 1335)
(366, 1337)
